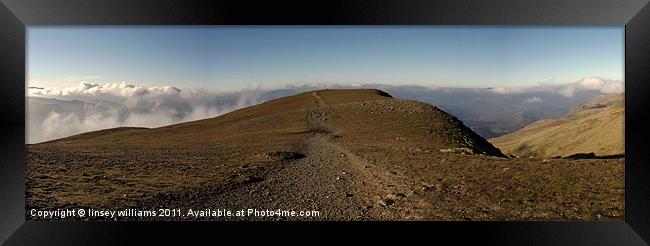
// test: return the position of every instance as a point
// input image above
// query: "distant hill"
(491, 113)
(595, 126)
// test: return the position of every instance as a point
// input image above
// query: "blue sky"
(231, 57)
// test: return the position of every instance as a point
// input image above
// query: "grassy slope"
(595, 126)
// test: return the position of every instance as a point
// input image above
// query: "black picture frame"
(15, 15)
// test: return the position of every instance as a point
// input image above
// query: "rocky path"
(383, 192)
(328, 179)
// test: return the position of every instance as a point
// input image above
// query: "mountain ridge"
(465, 139)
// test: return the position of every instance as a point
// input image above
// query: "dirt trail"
(329, 179)
(388, 195)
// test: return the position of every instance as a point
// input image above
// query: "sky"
(217, 57)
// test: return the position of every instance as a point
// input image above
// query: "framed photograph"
(516, 122)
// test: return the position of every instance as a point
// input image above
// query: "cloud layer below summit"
(59, 112)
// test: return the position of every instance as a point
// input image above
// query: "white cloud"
(591, 83)
(594, 83)
(109, 105)
(58, 125)
(108, 89)
(533, 100)
(500, 90)
(513, 90)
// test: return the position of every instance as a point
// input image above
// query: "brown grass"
(596, 126)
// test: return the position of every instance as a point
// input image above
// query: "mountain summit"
(357, 114)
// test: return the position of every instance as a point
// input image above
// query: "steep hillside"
(349, 154)
(595, 126)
